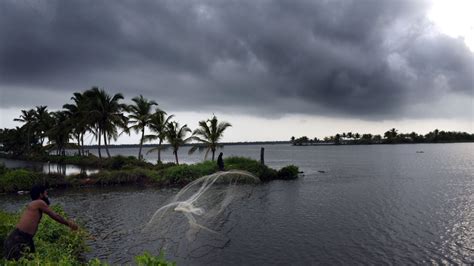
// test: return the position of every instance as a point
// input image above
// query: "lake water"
(375, 204)
(65, 169)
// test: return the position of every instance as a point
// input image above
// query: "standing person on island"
(20, 240)
(220, 162)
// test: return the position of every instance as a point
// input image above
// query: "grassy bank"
(123, 172)
(57, 245)
(90, 161)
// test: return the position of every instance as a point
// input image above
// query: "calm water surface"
(380, 204)
(65, 169)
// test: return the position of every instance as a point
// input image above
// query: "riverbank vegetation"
(391, 136)
(123, 171)
(57, 245)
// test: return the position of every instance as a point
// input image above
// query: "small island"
(391, 136)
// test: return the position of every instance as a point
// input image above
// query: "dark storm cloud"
(368, 58)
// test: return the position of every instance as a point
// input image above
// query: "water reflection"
(48, 168)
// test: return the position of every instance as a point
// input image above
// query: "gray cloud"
(370, 59)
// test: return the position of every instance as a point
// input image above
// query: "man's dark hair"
(36, 191)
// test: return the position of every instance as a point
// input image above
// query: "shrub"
(17, 179)
(161, 165)
(124, 176)
(184, 173)
(288, 172)
(149, 260)
(256, 168)
(117, 162)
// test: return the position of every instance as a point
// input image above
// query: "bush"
(17, 179)
(124, 176)
(288, 172)
(149, 260)
(161, 165)
(117, 162)
(256, 168)
(184, 173)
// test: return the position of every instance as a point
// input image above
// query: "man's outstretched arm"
(58, 218)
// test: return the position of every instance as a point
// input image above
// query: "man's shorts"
(17, 243)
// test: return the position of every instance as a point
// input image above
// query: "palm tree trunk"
(99, 136)
(28, 139)
(82, 143)
(79, 143)
(105, 144)
(141, 144)
(176, 156)
(159, 151)
(213, 153)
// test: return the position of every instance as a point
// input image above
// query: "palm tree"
(176, 136)
(209, 133)
(60, 132)
(158, 125)
(13, 140)
(106, 115)
(349, 135)
(28, 118)
(43, 122)
(78, 111)
(140, 117)
(391, 134)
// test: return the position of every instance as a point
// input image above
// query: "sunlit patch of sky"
(454, 18)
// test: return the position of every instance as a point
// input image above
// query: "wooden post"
(262, 155)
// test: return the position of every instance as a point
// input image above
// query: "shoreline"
(123, 172)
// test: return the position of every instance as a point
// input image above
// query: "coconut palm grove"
(105, 117)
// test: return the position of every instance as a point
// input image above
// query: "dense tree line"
(105, 117)
(390, 137)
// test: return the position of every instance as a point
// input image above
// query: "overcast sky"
(271, 68)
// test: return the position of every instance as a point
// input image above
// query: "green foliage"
(256, 168)
(121, 177)
(161, 166)
(129, 170)
(12, 180)
(17, 179)
(146, 259)
(55, 243)
(121, 162)
(288, 172)
(7, 224)
(209, 133)
(185, 173)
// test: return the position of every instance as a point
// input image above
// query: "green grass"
(57, 245)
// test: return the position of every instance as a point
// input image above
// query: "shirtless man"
(21, 239)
